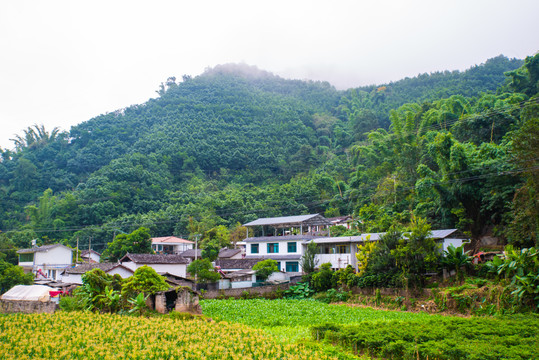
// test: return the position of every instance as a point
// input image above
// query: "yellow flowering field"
(107, 336)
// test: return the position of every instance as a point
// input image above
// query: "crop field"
(293, 319)
(103, 336)
(386, 334)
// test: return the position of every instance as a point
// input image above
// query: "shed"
(28, 293)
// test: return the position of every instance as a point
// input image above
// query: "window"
(279, 265)
(342, 249)
(292, 247)
(254, 248)
(273, 248)
(327, 249)
(26, 257)
(292, 266)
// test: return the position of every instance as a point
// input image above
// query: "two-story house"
(47, 261)
(284, 239)
(171, 245)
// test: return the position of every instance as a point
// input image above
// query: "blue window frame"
(254, 248)
(292, 266)
(292, 247)
(273, 248)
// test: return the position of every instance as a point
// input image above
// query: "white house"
(90, 256)
(73, 275)
(171, 245)
(278, 242)
(121, 270)
(47, 261)
(284, 239)
(172, 264)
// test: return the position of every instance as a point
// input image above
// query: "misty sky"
(64, 62)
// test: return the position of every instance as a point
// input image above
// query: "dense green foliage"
(265, 268)
(203, 270)
(485, 338)
(138, 242)
(110, 293)
(11, 275)
(237, 143)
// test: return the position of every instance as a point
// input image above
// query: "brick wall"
(27, 307)
(253, 291)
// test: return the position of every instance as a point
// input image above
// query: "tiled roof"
(237, 263)
(154, 259)
(85, 252)
(81, 269)
(41, 249)
(191, 253)
(170, 240)
(227, 253)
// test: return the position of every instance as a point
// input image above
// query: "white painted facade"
(72, 278)
(49, 260)
(121, 270)
(174, 269)
(93, 256)
(455, 242)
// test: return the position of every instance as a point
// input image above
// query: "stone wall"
(27, 307)
(252, 291)
(186, 300)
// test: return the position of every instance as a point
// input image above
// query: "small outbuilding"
(28, 299)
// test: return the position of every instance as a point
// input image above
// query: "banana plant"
(138, 303)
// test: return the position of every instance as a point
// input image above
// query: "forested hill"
(237, 142)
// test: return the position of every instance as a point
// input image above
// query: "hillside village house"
(171, 245)
(47, 261)
(284, 238)
(172, 264)
(73, 275)
(282, 245)
(90, 256)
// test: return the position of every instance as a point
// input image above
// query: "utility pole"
(77, 253)
(89, 249)
(196, 256)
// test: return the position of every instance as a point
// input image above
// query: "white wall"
(72, 278)
(283, 248)
(455, 242)
(58, 257)
(174, 269)
(338, 261)
(124, 273)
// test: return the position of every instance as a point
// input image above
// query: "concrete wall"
(237, 293)
(174, 269)
(27, 307)
(72, 278)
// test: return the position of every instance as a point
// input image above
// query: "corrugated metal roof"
(283, 220)
(442, 234)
